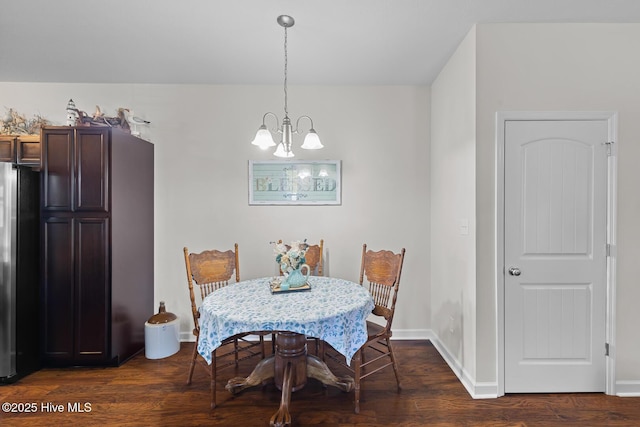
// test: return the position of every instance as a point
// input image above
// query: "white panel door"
(555, 255)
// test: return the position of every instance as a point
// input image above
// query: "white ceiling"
(351, 42)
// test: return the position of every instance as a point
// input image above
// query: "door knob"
(514, 271)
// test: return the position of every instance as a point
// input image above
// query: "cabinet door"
(57, 169)
(57, 288)
(92, 165)
(76, 278)
(7, 148)
(92, 288)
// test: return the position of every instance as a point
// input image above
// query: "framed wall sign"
(288, 182)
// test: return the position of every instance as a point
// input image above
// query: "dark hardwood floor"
(145, 392)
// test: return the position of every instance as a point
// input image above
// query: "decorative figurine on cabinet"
(72, 113)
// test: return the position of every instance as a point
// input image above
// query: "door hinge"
(606, 349)
(609, 144)
(608, 250)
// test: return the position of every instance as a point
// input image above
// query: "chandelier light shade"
(264, 137)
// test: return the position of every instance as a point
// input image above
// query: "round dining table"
(331, 309)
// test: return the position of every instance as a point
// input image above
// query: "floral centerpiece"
(290, 257)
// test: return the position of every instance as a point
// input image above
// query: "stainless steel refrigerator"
(19, 278)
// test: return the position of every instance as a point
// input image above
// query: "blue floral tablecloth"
(333, 310)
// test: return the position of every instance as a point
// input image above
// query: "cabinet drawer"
(28, 150)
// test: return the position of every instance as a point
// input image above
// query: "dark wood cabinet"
(20, 149)
(97, 245)
(76, 295)
(75, 169)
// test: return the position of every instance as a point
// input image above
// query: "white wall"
(555, 67)
(453, 293)
(201, 136)
(531, 67)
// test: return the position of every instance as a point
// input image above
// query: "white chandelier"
(264, 138)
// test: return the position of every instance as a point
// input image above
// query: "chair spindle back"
(209, 270)
(382, 271)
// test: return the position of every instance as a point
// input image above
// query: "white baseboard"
(412, 334)
(187, 337)
(489, 390)
(628, 388)
(477, 390)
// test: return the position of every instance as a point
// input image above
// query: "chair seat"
(375, 330)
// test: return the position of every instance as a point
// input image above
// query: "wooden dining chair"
(314, 259)
(380, 271)
(211, 270)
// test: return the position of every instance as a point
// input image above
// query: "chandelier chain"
(286, 110)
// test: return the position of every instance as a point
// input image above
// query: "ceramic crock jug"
(295, 279)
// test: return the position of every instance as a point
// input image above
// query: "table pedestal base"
(289, 367)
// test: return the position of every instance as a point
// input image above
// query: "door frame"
(610, 317)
